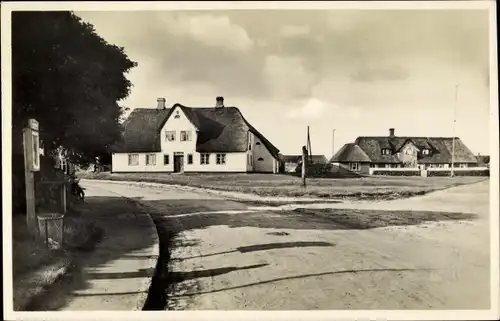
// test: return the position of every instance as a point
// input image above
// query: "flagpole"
(452, 173)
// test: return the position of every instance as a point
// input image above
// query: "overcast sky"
(359, 72)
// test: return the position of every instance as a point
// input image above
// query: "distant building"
(483, 160)
(191, 139)
(401, 151)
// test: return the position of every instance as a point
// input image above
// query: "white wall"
(177, 125)
(235, 162)
(119, 163)
(250, 157)
(268, 164)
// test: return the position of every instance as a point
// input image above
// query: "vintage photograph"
(250, 158)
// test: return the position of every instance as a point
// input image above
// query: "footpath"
(117, 273)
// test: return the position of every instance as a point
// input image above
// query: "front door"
(178, 163)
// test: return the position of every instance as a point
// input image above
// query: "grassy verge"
(35, 267)
(363, 188)
(369, 219)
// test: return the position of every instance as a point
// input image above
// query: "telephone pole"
(452, 173)
(333, 143)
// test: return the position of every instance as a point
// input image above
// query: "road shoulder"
(117, 274)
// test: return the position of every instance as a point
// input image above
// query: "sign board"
(32, 145)
(33, 124)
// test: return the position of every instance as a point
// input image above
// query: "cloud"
(287, 76)
(291, 31)
(212, 30)
(367, 74)
(313, 109)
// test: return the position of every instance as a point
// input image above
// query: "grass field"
(290, 186)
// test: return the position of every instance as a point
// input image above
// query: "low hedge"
(316, 169)
(485, 172)
(396, 173)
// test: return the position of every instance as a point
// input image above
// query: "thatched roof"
(142, 131)
(219, 130)
(350, 153)
(317, 159)
(440, 147)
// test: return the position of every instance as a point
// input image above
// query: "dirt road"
(228, 255)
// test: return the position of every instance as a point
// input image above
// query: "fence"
(467, 171)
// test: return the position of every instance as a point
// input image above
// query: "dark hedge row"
(396, 173)
(485, 172)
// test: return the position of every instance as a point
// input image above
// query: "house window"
(166, 159)
(260, 159)
(386, 151)
(185, 135)
(177, 114)
(190, 159)
(354, 167)
(387, 165)
(446, 165)
(221, 159)
(204, 159)
(426, 151)
(150, 159)
(170, 136)
(133, 159)
(462, 165)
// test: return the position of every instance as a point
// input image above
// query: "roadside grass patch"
(282, 185)
(35, 267)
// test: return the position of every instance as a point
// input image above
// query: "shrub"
(315, 169)
(483, 172)
(396, 173)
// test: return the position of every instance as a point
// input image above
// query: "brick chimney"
(219, 102)
(161, 103)
(391, 132)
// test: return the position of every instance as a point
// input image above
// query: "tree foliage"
(69, 79)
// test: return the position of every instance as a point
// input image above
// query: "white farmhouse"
(189, 139)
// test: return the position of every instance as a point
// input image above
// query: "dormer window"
(386, 151)
(426, 151)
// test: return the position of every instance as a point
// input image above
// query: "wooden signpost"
(304, 165)
(31, 145)
(306, 156)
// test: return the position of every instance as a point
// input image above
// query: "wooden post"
(63, 197)
(31, 164)
(304, 165)
(452, 172)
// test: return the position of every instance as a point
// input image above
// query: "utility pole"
(305, 154)
(304, 161)
(333, 143)
(452, 173)
(309, 149)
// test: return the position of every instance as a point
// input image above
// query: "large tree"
(70, 79)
